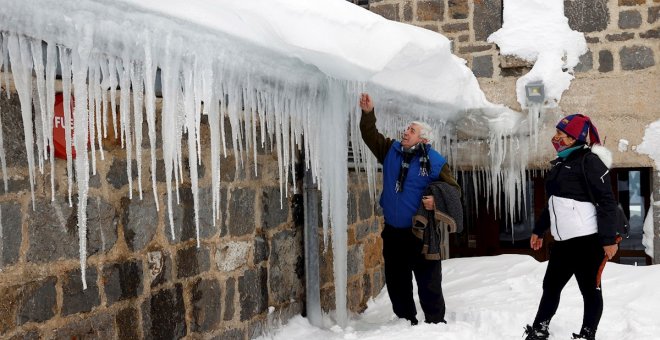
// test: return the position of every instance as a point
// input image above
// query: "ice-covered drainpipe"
(312, 285)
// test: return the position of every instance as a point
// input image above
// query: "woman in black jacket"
(583, 232)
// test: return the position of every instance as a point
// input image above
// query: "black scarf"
(418, 149)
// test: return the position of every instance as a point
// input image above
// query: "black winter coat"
(566, 180)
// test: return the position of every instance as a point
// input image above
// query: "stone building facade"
(247, 276)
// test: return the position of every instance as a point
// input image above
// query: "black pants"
(402, 254)
(580, 256)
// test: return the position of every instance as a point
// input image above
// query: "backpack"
(622, 224)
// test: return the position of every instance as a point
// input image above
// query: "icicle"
(292, 162)
(121, 67)
(277, 112)
(211, 85)
(233, 98)
(99, 103)
(3, 160)
(40, 102)
(99, 106)
(112, 81)
(534, 111)
(65, 63)
(178, 128)
(136, 74)
(5, 57)
(214, 127)
(21, 62)
(51, 66)
(190, 112)
(123, 70)
(333, 125)
(198, 95)
(250, 96)
(253, 117)
(179, 124)
(4, 66)
(171, 89)
(286, 148)
(38, 129)
(150, 104)
(91, 100)
(261, 110)
(223, 113)
(80, 66)
(106, 85)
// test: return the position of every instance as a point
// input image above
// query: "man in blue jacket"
(409, 166)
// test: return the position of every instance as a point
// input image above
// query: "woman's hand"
(535, 242)
(610, 250)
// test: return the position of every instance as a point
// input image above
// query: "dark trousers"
(580, 256)
(402, 254)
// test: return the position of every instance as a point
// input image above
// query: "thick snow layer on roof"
(403, 65)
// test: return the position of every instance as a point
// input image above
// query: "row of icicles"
(245, 99)
(94, 80)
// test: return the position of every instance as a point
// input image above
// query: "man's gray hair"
(426, 131)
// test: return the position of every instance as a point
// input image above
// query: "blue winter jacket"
(400, 207)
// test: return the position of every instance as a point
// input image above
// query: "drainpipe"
(312, 284)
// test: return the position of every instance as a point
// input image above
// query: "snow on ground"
(494, 297)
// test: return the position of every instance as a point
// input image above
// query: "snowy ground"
(494, 297)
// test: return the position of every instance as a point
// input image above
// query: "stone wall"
(246, 277)
(366, 276)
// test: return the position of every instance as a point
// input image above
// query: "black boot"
(435, 322)
(537, 332)
(585, 333)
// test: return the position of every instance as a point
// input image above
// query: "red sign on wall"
(59, 139)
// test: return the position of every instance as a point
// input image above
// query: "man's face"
(411, 136)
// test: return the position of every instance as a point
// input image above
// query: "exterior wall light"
(535, 92)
